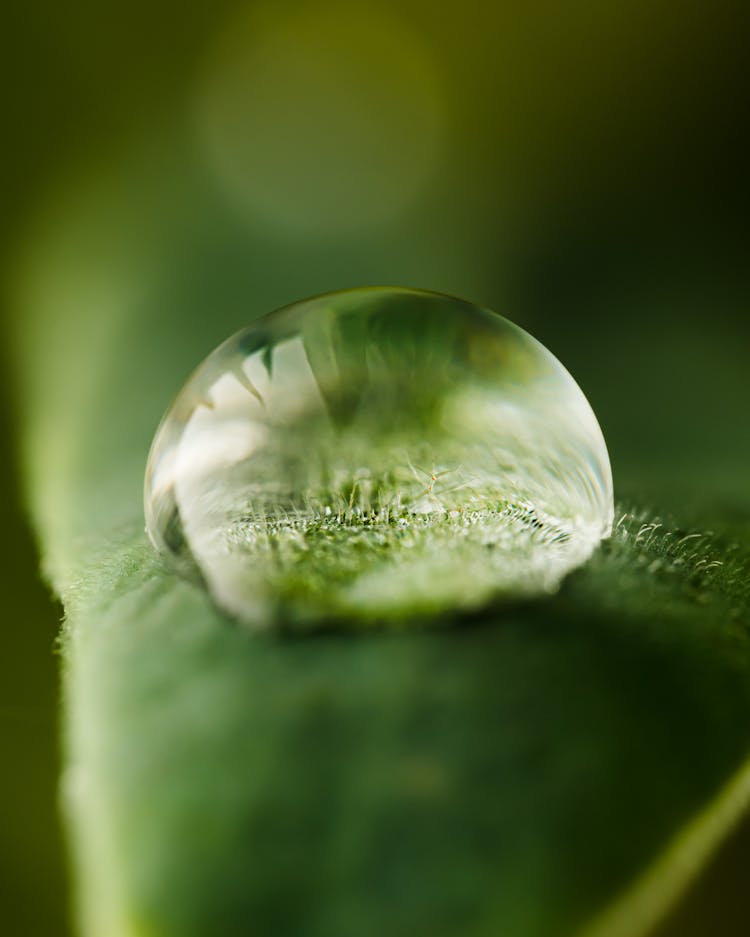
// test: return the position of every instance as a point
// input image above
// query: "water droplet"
(377, 455)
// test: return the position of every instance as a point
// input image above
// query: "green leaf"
(560, 767)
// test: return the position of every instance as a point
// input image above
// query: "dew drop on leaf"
(377, 455)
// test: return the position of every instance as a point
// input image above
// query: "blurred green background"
(578, 167)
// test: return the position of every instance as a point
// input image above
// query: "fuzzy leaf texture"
(554, 769)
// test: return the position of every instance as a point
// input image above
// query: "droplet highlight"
(377, 455)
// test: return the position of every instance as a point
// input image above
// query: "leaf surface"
(554, 768)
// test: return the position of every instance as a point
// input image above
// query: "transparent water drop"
(377, 455)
